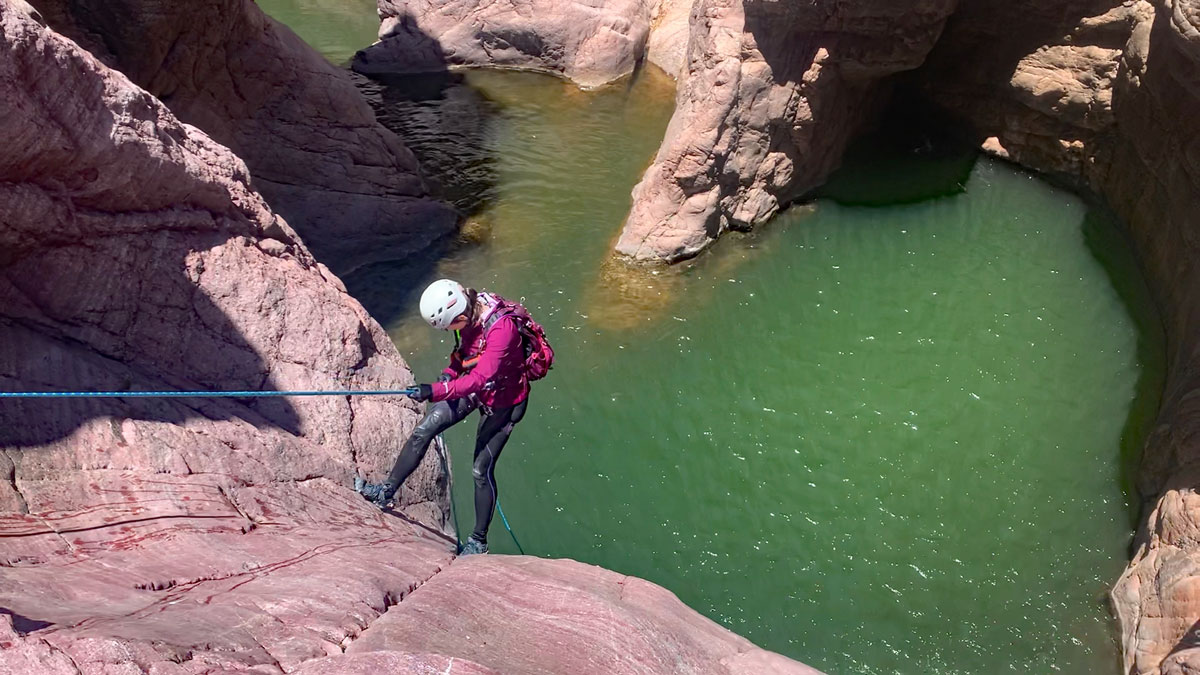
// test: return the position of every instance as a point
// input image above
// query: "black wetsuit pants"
(495, 426)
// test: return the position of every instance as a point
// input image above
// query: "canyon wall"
(349, 186)
(193, 535)
(769, 97)
(1106, 94)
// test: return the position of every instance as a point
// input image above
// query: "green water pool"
(878, 439)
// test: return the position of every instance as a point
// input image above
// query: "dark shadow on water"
(1113, 250)
(445, 122)
(915, 153)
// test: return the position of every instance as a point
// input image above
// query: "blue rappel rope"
(199, 394)
(510, 532)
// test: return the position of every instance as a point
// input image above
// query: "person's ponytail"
(472, 306)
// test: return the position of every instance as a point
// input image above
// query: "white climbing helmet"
(442, 302)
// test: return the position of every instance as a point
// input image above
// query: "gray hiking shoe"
(473, 547)
(372, 492)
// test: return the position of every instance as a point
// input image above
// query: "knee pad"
(436, 418)
(481, 477)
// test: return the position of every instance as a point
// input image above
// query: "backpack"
(539, 355)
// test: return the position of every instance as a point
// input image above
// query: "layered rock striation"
(220, 535)
(193, 533)
(348, 185)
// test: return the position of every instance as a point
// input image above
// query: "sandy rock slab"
(178, 573)
(528, 615)
(591, 43)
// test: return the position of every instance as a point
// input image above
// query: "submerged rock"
(348, 185)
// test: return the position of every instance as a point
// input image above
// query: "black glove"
(424, 392)
(445, 377)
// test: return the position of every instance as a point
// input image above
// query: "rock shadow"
(444, 121)
(118, 316)
(23, 625)
(1112, 249)
(105, 243)
(915, 152)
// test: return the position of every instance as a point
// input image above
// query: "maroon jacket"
(498, 377)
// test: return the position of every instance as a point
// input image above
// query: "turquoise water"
(874, 438)
(336, 28)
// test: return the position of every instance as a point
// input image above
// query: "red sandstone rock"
(351, 189)
(374, 663)
(526, 615)
(590, 42)
(669, 31)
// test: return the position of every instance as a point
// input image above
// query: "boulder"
(669, 32)
(349, 186)
(589, 42)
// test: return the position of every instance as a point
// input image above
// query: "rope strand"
(201, 394)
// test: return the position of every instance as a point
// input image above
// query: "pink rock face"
(589, 42)
(374, 663)
(350, 188)
(669, 31)
(770, 95)
(526, 615)
(195, 534)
